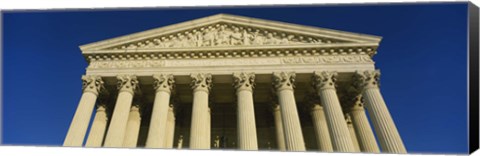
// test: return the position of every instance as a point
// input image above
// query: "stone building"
(232, 82)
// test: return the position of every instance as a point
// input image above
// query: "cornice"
(233, 52)
(231, 19)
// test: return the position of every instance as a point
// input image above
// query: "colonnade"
(335, 131)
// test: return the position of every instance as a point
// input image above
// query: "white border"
(20, 5)
(62, 151)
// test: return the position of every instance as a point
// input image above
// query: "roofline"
(234, 19)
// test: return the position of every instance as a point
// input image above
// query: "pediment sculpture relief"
(225, 35)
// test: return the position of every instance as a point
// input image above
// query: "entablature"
(232, 52)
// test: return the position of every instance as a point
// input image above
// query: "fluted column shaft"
(200, 134)
(209, 126)
(364, 133)
(324, 141)
(98, 129)
(127, 86)
(169, 136)
(279, 127)
(351, 129)
(163, 85)
(92, 85)
(133, 126)
(283, 83)
(247, 133)
(385, 128)
(325, 85)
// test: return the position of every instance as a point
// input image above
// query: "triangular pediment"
(228, 30)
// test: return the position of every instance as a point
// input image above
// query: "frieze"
(328, 59)
(127, 64)
(224, 62)
(299, 60)
(222, 34)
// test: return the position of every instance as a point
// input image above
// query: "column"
(283, 84)
(279, 127)
(209, 126)
(324, 83)
(387, 133)
(91, 87)
(247, 133)
(364, 132)
(99, 126)
(351, 129)
(163, 85)
(169, 135)
(127, 85)
(200, 128)
(324, 141)
(133, 125)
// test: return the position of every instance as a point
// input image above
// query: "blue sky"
(422, 57)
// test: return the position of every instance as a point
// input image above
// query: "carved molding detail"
(93, 84)
(128, 83)
(236, 52)
(366, 79)
(328, 59)
(275, 106)
(283, 80)
(222, 34)
(244, 81)
(298, 60)
(348, 118)
(324, 80)
(163, 82)
(127, 64)
(358, 103)
(201, 81)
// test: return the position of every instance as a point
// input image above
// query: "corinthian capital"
(348, 118)
(358, 103)
(138, 105)
(283, 80)
(244, 81)
(312, 102)
(366, 79)
(128, 83)
(163, 82)
(93, 84)
(324, 80)
(201, 81)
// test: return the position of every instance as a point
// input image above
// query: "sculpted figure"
(149, 44)
(216, 142)
(167, 42)
(258, 39)
(192, 40)
(288, 39)
(180, 142)
(184, 41)
(270, 39)
(246, 36)
(132, 46)
(157, 42)
(176, 42)
(199, 38)
(224, 36)
(236, 37)
(210, 36)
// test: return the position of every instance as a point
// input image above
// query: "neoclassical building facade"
(232, 82)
